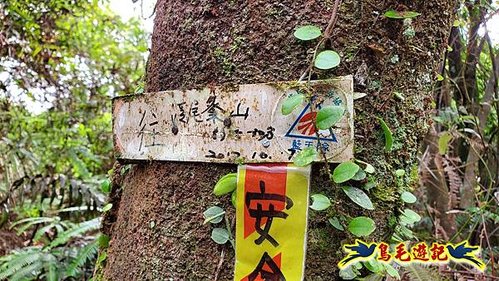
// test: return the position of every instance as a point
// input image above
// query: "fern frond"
(84, 254)
(422, 273)
(28, 272)
(16, 261)
(75, 231)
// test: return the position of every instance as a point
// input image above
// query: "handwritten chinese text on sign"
(228, 125)
(271, 222)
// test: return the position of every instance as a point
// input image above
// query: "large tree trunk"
(156, 224)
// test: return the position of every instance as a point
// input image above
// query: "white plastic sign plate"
(232, 125)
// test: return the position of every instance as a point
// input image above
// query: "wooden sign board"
(231, 125)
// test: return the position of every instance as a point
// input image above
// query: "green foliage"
(409, 217)
(328, 116)
(408, 197)
(70, 57)
(327, 59)
(307, 32)
(320, 202)
(334, 221)
(443, 142)
(213, 215)
(358, 197)
(401, 14)
(220, 235)
(388, 135)
(292, 102)
(225, 185)
(305, 157)
(345, 171)
(361, 226)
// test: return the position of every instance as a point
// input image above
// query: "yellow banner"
(271, 222)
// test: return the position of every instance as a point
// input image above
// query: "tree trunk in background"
(156, 223)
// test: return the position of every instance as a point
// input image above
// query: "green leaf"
(347, 273)
(305, 157)
(401, 15)
(443, 142)
(400, 173)
(292, 102)
(374, 266)
(105, 186)
(345, 171)
(327, 60)
(369, 168)
(334, 221)
(307, 32)
(213, 215)
(233, 198)
(328, 116)
(369, 185)
(408, 197)
(440, 77)
(361, 226)
(360, 175)
(107, 207)
(391, 271)
(220, 235)
(409, 217)
(358, 197)
(320, 202)
(225, 185)
(388, 135)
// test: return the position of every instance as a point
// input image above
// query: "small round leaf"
(220, 235)
(327, 60)
(361, 226)
(307, 32)
(320, 202)
(291, 103)
(328, 116)
(107, 207)
(345, 171)
(408, 197)
(305, 157)
(213, 215)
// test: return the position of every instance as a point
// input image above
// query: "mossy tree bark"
(156, 224)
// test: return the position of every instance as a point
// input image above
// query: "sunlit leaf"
(327, 60)
(401, 14)
(307, 32)
(361, 226)
(345, 171)
(320, 202)
(226, 184)
(305, 157)
(408, 197)
(388, 135)
(291, 102)
(328, 116)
